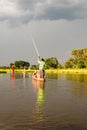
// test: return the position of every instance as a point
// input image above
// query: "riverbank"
(61, 71)
(16, 70)
(67, 71)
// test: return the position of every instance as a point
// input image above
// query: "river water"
(58, 104)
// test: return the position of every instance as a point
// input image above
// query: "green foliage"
(81, 64)
(4, 67)
(34, 67)
(79, 59)
(59, 66)
(51, 62)
(11, 64)
(69, 63)
(21, 64)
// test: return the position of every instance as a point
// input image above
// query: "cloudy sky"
(57, 26)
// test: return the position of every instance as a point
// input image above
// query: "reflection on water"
(15, 76)
(72, 77)
(12, 79)
(58, 104)
(77, 77)
(24, 74)
(52, 75)
(38, 112)
(79, 82)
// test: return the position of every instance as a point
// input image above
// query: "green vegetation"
(20, 64)
(51, 62)
(77, 61)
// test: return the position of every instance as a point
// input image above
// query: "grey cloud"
(55, 10)
(67, 13)
(26, 4)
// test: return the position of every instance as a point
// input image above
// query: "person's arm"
(39, 58)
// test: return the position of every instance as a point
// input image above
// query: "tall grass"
(70, 71)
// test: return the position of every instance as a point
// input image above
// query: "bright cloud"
(8, 8)
(23, 11)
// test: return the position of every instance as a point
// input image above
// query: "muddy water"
(58, 104)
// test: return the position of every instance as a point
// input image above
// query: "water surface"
(58, 104)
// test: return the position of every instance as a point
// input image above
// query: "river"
(58, 104)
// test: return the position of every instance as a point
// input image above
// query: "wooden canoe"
(38, 79)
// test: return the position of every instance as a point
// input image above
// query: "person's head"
(42, 59)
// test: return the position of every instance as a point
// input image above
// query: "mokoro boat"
(36, 76)
(38, 79)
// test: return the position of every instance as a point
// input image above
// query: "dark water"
(58, 104)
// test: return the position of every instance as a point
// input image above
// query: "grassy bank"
(16, 70)
(65, 71)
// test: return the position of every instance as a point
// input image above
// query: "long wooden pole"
(35, 47)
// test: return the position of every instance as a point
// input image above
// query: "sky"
(57, 28)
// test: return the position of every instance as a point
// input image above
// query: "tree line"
(78, 60)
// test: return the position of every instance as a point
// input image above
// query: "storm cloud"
(24, 11)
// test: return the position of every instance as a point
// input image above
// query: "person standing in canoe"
(41, 63)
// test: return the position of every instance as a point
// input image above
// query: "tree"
(81, 64)
(21, 64)
(59, 66)
(11, 64)
(80, 58)
(70, 63)
(51, 62)
(34, 67)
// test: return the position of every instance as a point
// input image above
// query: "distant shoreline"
(60, 71)
(68, 71)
